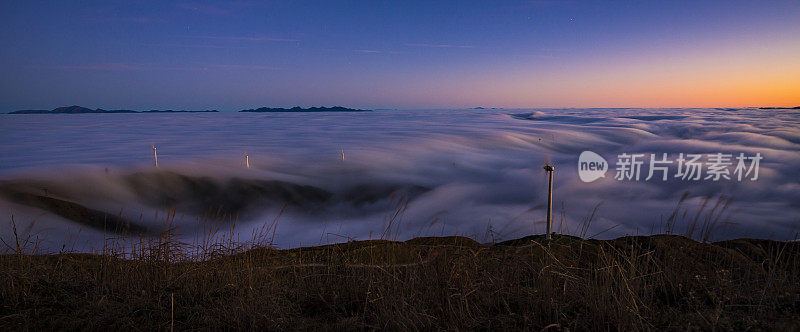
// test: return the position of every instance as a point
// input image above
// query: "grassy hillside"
(661, 281)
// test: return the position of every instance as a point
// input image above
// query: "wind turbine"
(155, 155)
(549, 169)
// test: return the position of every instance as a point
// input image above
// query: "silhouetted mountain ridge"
(300, 109)
(74, 109)
(780, 108)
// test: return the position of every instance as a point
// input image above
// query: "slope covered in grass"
(661, 281)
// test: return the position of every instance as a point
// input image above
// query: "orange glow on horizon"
(766, 75)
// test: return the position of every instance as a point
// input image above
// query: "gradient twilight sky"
(399, 54)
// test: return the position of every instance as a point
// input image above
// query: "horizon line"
(220, 110)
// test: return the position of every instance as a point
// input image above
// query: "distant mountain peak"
(300, 109)
(75, 109)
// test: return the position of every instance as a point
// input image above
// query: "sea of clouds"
(424, 172)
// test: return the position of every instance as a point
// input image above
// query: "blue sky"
(403, 54)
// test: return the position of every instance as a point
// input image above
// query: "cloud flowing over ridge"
(473, 172)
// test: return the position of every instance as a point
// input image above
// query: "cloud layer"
(470, 172)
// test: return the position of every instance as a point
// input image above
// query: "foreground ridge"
(636, 282)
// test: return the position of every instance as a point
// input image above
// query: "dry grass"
(444, 283)
(655, 282)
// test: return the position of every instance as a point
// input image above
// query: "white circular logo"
(591, 166)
